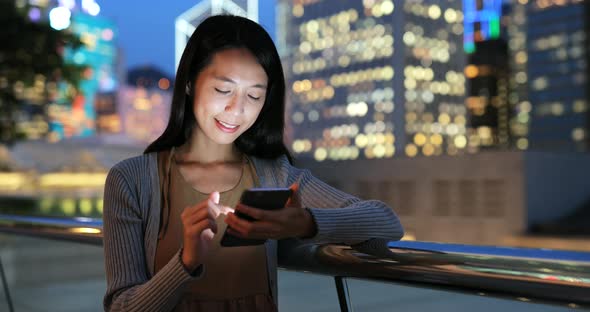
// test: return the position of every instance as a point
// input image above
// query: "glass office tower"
(375, 79)
(557, 74)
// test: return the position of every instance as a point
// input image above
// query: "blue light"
(488, 17)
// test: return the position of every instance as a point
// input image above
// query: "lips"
(226, 127)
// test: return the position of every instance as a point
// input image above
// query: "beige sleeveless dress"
(234, 278)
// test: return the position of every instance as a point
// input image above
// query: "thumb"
(226, 210)
(294, 187)
(214, 197)
(294, 200)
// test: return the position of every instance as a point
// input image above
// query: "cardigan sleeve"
(128, 286)
(341, 217)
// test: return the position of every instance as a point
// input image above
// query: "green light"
(494, 28)
(68, 206)
(469, 47)
(85, 206)
(46, 205)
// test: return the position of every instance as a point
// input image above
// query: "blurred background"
(470, 118)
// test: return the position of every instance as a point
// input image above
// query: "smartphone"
(261, 198)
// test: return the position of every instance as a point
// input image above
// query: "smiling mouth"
(226, 127)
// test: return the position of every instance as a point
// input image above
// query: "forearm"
(160, 293)
(358, 222)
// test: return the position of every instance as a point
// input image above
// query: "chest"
(210, 179)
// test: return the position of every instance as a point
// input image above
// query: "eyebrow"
(226, 79)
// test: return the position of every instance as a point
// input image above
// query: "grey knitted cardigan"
(132, 217)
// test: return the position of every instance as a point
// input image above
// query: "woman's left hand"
(293, 221)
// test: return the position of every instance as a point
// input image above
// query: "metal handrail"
(82, 230)
(529, 275)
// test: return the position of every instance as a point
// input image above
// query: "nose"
(236, 105)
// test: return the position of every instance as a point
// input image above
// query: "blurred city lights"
(59, 18)
(70, 4)
(94, 9)
(34, 14)
(91, 7)
(85, 230)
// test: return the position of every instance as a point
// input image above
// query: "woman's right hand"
(199, 227)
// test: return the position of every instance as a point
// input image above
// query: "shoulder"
(278, 164)
(136, 168)
(276, 171)
(271, 162)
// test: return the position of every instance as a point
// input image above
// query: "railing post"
(5, 286)
(343, 295)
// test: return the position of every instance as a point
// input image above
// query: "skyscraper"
(375, 78)
(557, 53)
(487, 74)
(186, 23)
(518, 97)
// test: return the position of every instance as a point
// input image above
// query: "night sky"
(146, 28)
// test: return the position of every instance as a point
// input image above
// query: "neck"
(199, 148)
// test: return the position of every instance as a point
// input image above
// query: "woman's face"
(228, 95)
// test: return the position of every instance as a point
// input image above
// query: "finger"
(255, 213)
(246, 235)
(199, 205)
(240, 235)
(195, 230)
(213, 203)
(201, 226)
(238, 224)
(213, 226)
(195, 217)
(194, 208)
(217, 210)
(207, 235)
(256, 229)
(273, 216)
(225, 210)
(214, 197)
(213, 208)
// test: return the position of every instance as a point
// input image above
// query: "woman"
(165, 211)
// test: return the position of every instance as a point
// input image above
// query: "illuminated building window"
(460, 141)
(522, 143)
(557, 109)
(521, 77)
(580, 106)
(578, 134)
(411, 150)
(419, 139)
(298, 117)
(540, 83)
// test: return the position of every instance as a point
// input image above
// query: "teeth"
(227, 125)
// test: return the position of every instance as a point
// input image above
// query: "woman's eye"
(222, 91)
(254, 97)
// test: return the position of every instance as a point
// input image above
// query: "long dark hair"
(217, 33)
